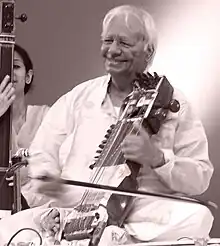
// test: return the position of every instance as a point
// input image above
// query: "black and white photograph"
(109, 122)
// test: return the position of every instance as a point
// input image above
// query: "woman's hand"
(7, 95)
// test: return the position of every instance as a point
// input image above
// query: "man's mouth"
(115, 62)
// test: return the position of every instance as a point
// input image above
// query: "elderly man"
(173, 161)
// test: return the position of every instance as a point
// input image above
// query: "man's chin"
(116, 72)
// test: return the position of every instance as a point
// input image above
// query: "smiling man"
(174, 161)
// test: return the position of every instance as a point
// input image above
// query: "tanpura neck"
(19, 110)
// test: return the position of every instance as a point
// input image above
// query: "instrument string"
(92, 196)
(111, 159)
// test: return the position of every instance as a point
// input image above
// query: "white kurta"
(78, 121)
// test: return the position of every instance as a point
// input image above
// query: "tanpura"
(10, 199)
(7, 40)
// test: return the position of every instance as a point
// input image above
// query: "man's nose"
(114, 48)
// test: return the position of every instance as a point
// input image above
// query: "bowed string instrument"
(113, 187)
(147, 105)
(9, 198)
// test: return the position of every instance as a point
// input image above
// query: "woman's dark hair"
(27, 63)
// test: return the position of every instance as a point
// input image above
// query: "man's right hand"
(51, 187)
(7, 95)
(51, 222)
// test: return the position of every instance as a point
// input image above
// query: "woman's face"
(21, 76)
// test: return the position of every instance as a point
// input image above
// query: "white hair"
(148, 29)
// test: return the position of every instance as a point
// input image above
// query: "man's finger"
(57, 219)
(140, 130)
(56, 228)
(51, 232)
(54, 213)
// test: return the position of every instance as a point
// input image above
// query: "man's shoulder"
(84, 90)
(94, 82)
(88, 86)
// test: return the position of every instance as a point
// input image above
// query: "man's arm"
(44, 150)
(187, 167)
(177, 156)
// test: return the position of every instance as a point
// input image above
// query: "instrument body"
(7, 40)
(148, 104)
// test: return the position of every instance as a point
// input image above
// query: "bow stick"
(127, 192)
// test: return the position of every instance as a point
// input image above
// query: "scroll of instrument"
(148, 105)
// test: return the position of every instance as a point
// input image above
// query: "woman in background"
(26, 119)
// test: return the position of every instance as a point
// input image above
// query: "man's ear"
(29, 76)
(149, 51)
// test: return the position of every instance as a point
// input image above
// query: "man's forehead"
(130, 24)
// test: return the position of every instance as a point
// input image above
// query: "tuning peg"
(150, 76)
(156, 76)
(109, 131)
(92, 165)
(97, 216)
(99, 151)
(22, 17)
(174, 106)
(107, 135)
(101, 146)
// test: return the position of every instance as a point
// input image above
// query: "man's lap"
(159, 221)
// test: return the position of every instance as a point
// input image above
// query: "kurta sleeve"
(187, 166)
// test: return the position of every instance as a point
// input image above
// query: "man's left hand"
(138, 147)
